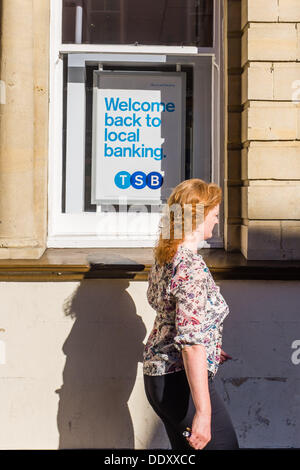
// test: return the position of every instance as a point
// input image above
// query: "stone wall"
(72, 372)
(270, 129)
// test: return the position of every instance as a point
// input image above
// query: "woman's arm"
(189, 288)
(195, 363)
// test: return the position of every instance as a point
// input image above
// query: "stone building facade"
(64, 310)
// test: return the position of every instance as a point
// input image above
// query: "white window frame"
(82, 230)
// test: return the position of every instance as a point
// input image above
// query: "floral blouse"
(189, 310)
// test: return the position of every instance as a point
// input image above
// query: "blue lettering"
(112, 104)
(122, 179)
(138, 179)
(108, 151)
(109, 121)
(170, 107)
(154, 180)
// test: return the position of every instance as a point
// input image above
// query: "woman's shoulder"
(189, 266)
(185, 261)
(187, 258)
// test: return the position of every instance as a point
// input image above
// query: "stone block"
(273, 160)
(262, 235)
(257, 82)
(288, 10)
(259, 10)
(270, 41)
(271, 200)
(291, 236)
(262, 240)
(287, 81)
(270, 121)
(21, 253)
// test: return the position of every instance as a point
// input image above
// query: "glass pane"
(88, 206)
(154, 22)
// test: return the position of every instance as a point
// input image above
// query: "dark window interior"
(88, 206)
(148, 22)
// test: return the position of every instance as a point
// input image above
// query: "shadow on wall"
(102, 353)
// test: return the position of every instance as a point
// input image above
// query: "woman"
(183, 350)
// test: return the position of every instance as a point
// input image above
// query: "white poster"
(138, 136)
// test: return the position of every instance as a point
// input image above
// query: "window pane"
(89, 69)
(149, 22)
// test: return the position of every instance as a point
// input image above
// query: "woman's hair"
(198, 196)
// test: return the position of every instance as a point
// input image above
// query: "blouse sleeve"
(189, 287)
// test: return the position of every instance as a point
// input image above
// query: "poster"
(138, 136)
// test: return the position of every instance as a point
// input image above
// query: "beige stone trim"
(271, 121)
(261, 237)
(287, 81)
(24, 128)
(288, 10)
(291, 236)
(257, 82)
(277, 81)
(270, 42)
(267, 200)
(259, 10)
(276, 160)
(270, 11)
(263, 240)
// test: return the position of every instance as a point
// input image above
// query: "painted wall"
(71, 371)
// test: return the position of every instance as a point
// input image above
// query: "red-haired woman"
(183, 350)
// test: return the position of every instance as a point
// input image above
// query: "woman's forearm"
(195, 363)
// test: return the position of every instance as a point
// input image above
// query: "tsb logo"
(138, 180)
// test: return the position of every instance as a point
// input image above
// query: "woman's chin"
(208, 237)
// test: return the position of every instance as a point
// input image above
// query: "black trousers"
(171, 399)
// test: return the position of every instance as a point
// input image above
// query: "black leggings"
(170, 397)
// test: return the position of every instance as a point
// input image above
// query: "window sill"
(76, 264)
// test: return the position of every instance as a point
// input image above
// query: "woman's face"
(210, 221)
(204, 230)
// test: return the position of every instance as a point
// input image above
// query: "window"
(165, 22)
(98, 38)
